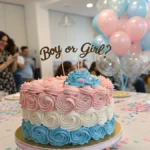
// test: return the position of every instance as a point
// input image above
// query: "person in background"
(27, 70)
(93, 69)
(85, 64)
(68, 67)
(8, 65)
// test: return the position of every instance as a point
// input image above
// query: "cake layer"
(59, 137)
(71, 121)
(71, 98)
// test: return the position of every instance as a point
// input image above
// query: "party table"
(132, 112)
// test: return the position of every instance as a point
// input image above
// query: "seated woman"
(68, 67)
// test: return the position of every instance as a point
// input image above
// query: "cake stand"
(108, 141)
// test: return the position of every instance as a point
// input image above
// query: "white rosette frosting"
(71, 121)
(36, 118)
(102, 115)
(89, 118)
(51, 120)
(26, 115)
(110, 110)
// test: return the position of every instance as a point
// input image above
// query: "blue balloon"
(145, 42)
(99, 41)
(95, 25)
(119, 6)
(137, 8)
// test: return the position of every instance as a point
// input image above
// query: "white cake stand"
(92, 145)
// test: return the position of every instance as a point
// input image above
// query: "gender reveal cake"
(67, 110)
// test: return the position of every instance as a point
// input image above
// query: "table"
(132, 112)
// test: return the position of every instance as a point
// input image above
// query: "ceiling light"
(89, 5)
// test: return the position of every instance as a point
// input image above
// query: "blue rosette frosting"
(26, 129)
(110, 126)
(81, 78)
(59, 137)
(97, 132)
(39, 134)
(80, 136)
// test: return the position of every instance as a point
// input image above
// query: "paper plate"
(121, 94)
(12, 97)
(108, 141)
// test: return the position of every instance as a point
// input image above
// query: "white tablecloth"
(135, 124)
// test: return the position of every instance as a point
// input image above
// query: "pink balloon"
(136, 28)
(148, 14)
(122, 25)
(136, 48)
(108, 21)
(148, 23)
(120, 43)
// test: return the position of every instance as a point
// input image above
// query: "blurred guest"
(20, 65)
(68, 67)
(7, 66)
(85, 64)
(93, 69)
(27, 70)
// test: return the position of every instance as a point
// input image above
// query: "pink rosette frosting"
(71, 90)
(106, 83)
(84, 100)
(87, 90)
(31, 102)
(36, 87)
(26, 86)
(100, 97)
(65, 103)
(55, 88)
(22, 99)
(61, 78)
(46, 102)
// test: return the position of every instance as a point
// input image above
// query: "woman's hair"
(67, 67)
(84, 65)
(11, 47)
(2, 34)
(92, 68)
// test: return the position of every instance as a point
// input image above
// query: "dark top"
(7, 82)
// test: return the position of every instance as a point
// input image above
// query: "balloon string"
(121, 77)
(62, 64)
(78, 60)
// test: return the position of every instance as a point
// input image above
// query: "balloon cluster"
(125, 25)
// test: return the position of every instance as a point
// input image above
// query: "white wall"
(75, 35)
(12, 21)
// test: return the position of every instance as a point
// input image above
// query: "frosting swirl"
(61, 78)
(46, 102)
(59, 137)
(22, 100)
(31, 101)
(65, 103)
(83, 102)
(39, 134)
(99, 97)
(51, 120)
(36, 118)
(25, 87)
(109, 126)
(81, 78)
(102, 116)
(97, 132)
(71, 90)
(80, 136)
(89, 119)
(26, 114)
(55, 88)
(26, 128)
(70, 122)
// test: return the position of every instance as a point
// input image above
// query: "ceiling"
(69, 6)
